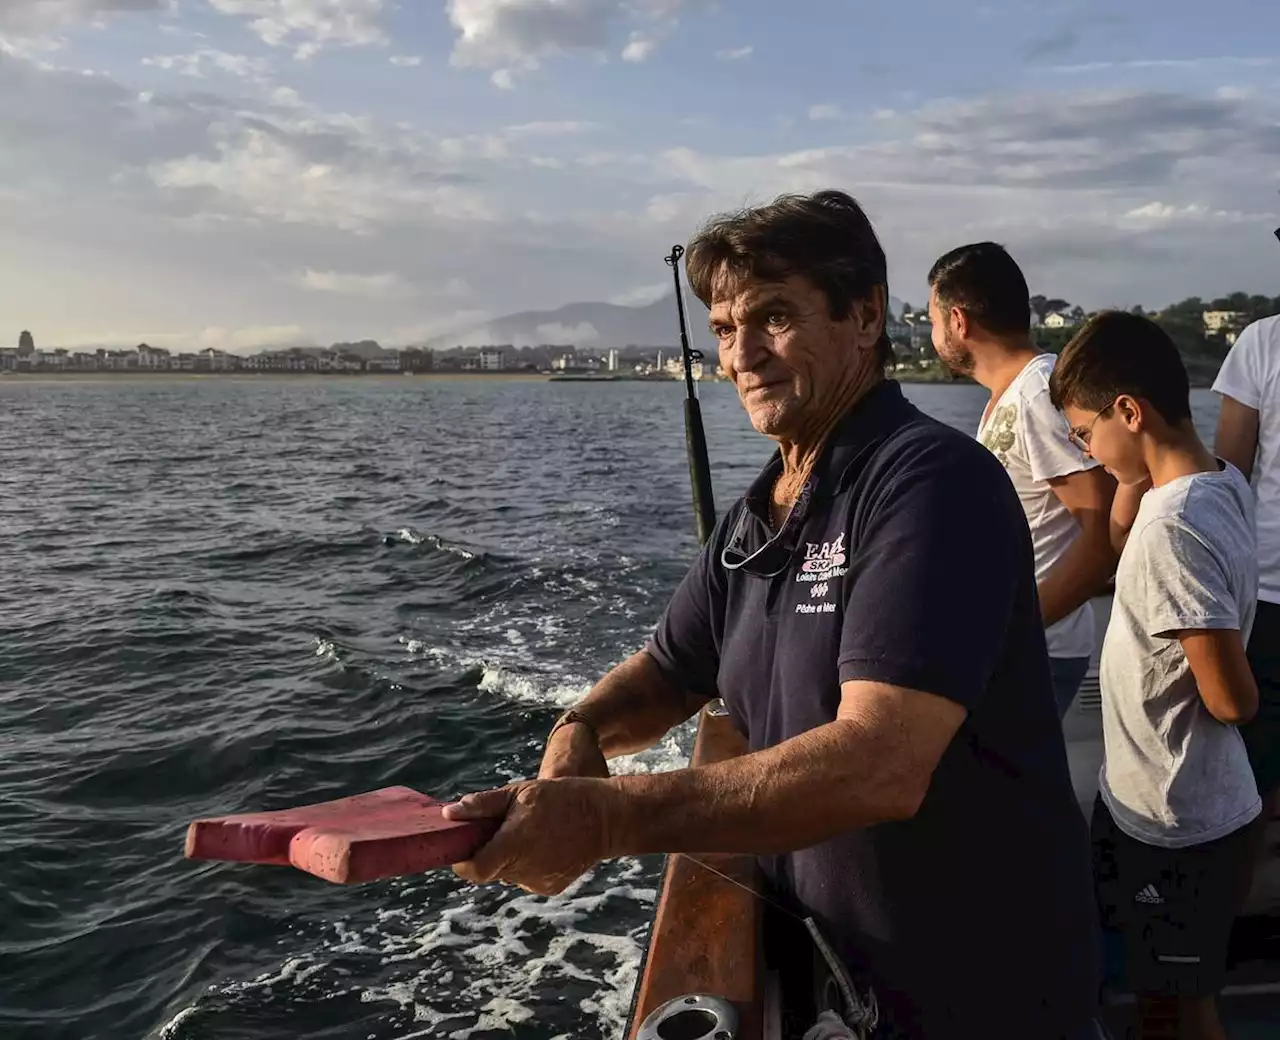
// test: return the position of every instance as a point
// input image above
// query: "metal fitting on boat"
(697, 1016)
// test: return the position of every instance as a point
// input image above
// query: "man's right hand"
(572, 751)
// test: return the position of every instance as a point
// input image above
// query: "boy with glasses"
(1176, 791)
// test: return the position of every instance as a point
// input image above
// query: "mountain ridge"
(591, 325)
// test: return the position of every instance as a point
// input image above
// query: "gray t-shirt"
(1173, 775)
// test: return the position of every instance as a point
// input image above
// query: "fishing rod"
(695, 436)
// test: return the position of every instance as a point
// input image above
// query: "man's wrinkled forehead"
(738, 296)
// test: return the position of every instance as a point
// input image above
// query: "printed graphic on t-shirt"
(1000, 434)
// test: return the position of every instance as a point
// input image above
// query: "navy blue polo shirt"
(913, 567)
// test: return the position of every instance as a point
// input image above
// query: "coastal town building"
(1224, 321)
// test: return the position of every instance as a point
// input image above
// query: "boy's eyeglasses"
(1079, 435)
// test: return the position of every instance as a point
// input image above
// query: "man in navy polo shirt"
(868, 612)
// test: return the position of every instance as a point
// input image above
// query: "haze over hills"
(593, 325)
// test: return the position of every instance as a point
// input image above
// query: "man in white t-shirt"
(1249, 438)
(981, 314)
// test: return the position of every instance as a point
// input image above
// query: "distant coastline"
(936, 374)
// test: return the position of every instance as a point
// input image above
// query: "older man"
(868, 612)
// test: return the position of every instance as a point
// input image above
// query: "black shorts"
(1173, 907)
(1262, 733)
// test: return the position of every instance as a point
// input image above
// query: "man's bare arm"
(1089, 562)
(1237, 439)
(633, 707)
(873, 764)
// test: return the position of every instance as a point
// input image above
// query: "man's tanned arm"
(872, 764)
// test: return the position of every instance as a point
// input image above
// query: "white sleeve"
(1241, 376)
(1044, 433)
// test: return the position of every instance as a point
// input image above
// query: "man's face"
(789, 359)
(947, 340)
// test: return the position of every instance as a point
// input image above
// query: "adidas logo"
(1148, 895)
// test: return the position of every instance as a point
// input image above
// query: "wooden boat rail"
(706, 934)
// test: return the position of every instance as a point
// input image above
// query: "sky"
(252, 173)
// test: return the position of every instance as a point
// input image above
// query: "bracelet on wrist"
(572, 717)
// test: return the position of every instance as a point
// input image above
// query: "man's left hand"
(552, 832)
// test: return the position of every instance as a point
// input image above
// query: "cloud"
(642, 296)
(510, 37)
(736, 54)
(1157, 215)
(385, 286)
(1190, 64)
(339, 172)
(581, 335)
(1066, 179)
(512, 142)
(189, 205)
(197, 64)
(246, 340)
(406, 61)
(311, 25)
(44, 15)
(825, 112)
(221, 202)
(639, 48)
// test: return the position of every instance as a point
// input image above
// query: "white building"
(613, 359)
(218, 360)
(1217, 321)
(1058, 320)
(388, 362)
(152, 359)
(491, 359)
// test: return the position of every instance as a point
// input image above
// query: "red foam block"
(384, 833)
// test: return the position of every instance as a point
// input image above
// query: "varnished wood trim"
(706, 933)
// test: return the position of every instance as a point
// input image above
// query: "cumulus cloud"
(190, 207)
(308, 26)
(735, 53)
(406, 61)
(509, 37)
(340, 173)
(208, 204)
(1068, 181)
(639, 48)
(825, 112)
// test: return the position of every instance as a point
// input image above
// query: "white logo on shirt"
(823, 556)
(823, 563)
